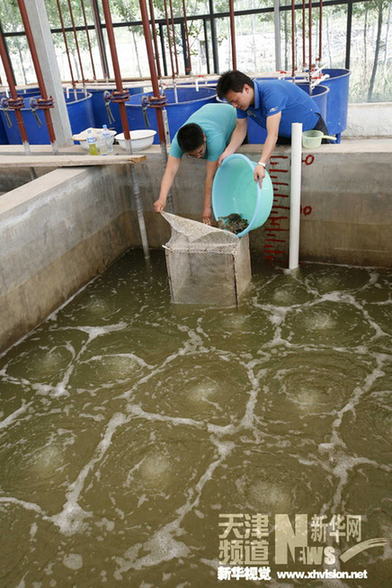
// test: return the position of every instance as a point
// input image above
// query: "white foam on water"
(98, 306)
(73, 561)
(201, 394)
(282, 297)
(306, 398)
(60, 389)
(156, 470)
(121, 357)
(248, 418)
(136, 410)
(71, 519)
(94, 332)
(141, 500)
(269, 496)
(320, 321)
(46, 460)
(161, 547)
(234, 322)
(14, 415)
(106, 524)
(23, 503)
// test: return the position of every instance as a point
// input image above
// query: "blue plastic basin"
(235, 191)
(189, 100)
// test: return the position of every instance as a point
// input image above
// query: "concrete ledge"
(346, 190)
(58, 232)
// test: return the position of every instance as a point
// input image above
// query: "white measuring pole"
(295, 193)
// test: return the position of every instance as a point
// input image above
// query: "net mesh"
(205, 265)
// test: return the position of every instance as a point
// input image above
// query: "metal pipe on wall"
(293, 52)
(187, 49)
(121, 96)
(162, 38)
(320, 32)
(16, 101)
(278, 57)
(173, 26)
(214, 41)
(232, 34)
(157, 100)
(303, 36)
(8, 55)
(60, 12)
(76, 39)
(45, 102)
(206, 45)
(310, 38)
(169, 38)
(100, 39)
(88, 39)
(154, 38)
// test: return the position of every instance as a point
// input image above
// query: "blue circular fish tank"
(188, 101)
(337, 106)
(80, 114)
(99, 105)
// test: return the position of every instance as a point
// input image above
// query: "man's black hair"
(233, 80)
(190, 137)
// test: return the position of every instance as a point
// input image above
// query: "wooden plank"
(10, 161)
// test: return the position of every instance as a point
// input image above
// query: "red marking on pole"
(280, 183)
(283, 171)
(283, 207)
(279, 156)
(276, 240)
(281, 195)
(275, 229)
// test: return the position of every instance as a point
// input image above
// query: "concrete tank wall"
(347, 190)
(60, 230)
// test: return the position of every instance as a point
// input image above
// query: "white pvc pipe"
(166, 126)
(295, 193)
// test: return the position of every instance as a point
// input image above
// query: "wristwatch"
(262, 163)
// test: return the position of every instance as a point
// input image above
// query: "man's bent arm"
(273, 123)
(237, 138)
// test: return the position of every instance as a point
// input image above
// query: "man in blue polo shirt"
(205, 135)
(274, 105)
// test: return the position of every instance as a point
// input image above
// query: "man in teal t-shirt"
(205, 135)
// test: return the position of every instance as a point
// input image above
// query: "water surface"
(128, 425)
